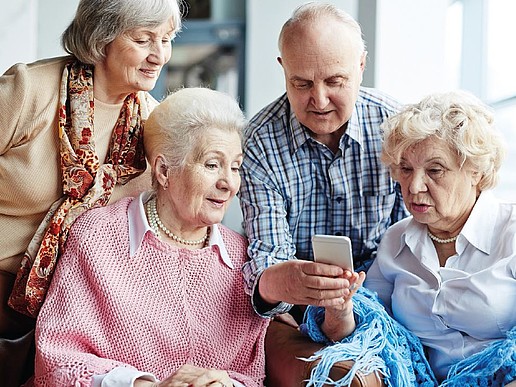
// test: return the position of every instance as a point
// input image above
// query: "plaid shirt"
(294, 187)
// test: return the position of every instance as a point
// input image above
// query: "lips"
(419, 207)
(150, 73)
(321, 113)
(217, 202)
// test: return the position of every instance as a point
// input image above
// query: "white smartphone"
(332, 249)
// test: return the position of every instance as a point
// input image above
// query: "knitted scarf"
(380, 344)
(86, 182)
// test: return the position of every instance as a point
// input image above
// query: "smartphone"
(332, 249)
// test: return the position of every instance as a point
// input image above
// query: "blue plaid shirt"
(294, 187)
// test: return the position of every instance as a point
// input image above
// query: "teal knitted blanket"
(380, 344)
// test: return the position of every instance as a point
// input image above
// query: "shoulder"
(502, 213)
(271, 117)
(45, 70)
(235, 244)
(393, 240)
(231, 235)
(376, 99)
(147, 103)
(41, 79)
(101, 218)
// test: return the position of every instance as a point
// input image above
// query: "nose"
(417, 182)
(229, 181)
(320, 97)
(158, 53)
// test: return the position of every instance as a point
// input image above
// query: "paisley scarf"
(86, 182)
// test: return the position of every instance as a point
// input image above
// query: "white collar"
(139, 226)
(483, 213)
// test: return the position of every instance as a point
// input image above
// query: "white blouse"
(459, 309)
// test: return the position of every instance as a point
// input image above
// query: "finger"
(208, 377)
(287, 319)
(356, 282)
(325, 283)
(321, 269)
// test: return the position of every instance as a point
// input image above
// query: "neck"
(159, 228)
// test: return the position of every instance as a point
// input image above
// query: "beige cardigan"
(30, 176)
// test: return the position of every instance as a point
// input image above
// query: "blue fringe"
(380, 344)
(494, 366)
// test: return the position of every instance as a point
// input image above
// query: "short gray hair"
(176, 126)
(98, 22)
(315, 10)
(461, 120)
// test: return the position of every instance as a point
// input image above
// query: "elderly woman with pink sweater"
(149, 290)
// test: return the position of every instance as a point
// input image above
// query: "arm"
(274, 277)
(71, 323)
(339, 320)
(14, 86)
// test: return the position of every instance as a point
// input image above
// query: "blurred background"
(415, 47)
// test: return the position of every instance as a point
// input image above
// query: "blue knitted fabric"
(494, 366)
(381, 344)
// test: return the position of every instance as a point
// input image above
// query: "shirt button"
(338, 233)
(339, 199)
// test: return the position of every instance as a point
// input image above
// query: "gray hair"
(315, 10)
(176, 126)
(98, 22)
(458, 118)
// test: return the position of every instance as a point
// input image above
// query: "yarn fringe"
(494, 366)
(380, 344)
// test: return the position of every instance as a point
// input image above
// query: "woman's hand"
(339, 320)
(192, 376)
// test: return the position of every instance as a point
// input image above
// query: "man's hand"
(304, 283)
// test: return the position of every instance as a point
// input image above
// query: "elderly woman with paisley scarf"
(70, 140)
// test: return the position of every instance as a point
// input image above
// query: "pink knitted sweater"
(153, 312)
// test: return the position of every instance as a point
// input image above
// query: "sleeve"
(264, 209)
(376, 281)
(120, 377)
(71, 329)
(14, 85)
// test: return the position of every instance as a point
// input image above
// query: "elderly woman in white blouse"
(448, 272)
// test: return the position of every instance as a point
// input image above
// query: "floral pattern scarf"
(86, 182)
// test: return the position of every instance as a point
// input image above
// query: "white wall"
(264, 76)
(412, 58)
(31, 29)
(18, 32)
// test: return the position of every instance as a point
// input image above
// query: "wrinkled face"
(323, 72)
(436, 191)
(134, 60)
(199, 195)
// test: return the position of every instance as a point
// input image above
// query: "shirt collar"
(139, 226)
(484, 213)
(480, 237)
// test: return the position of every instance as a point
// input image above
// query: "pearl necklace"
(156, 224)
(439, 240)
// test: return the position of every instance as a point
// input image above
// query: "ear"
(363, 59)
(160, 170)
(475, 178)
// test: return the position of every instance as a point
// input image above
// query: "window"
(488, 48)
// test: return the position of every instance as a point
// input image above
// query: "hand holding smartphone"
(332, 249)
